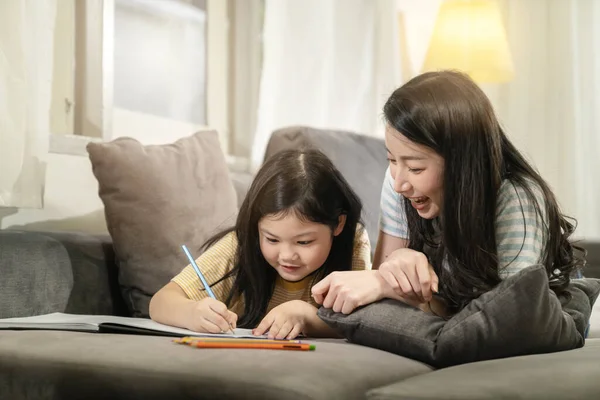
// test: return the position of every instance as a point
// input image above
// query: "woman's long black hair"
(447, 112)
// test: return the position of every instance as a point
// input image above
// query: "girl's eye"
(271, 240)
(305, 242)
(392, 160)
(415, 170)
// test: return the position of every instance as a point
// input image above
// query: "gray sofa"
(42, 272)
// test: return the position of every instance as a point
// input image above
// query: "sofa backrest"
(361, 159)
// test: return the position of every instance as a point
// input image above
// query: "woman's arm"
(386, 244)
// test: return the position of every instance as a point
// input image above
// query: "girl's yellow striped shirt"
(218, 260)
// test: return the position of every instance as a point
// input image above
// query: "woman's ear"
(340, 227)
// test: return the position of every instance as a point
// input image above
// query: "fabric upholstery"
(569, 374)
(520, 316)
(72, 365)
(156, 198)
(44, 272)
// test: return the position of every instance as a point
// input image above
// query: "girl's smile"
(293, 246)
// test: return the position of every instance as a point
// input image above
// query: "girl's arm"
(184, 302)
(170, 306)
(290, 319)
(316, 328)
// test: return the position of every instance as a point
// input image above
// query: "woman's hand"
(210, 316)
(344, 291)
(287, 320)
(410, 276)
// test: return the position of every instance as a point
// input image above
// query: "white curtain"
(26, 59)
(326, 64)
(552, 108)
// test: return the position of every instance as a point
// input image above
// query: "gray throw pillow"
(519, 316)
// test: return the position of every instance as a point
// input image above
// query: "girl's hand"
(410, 275)
(344, 291)
(210, 316)
(287, 320)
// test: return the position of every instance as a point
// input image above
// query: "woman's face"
(418, 173)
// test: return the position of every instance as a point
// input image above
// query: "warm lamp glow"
(469, 36)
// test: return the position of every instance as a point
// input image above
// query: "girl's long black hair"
(304, 182)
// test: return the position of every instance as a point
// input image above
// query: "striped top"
(219, 258)
(519, 228)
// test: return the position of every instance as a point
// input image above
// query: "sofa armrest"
(592, 268)
(45, 272)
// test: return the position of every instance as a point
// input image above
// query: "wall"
(526, 106)
(71, 199)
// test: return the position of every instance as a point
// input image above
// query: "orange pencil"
(189, 339)
(258, 345)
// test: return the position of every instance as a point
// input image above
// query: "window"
(145, 56)
(160, 58)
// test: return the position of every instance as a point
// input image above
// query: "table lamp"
(469, 36)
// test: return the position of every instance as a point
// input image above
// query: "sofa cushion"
(35, 272)
(73, 365)
(156, 198)
(594, 331)
(556, 376)
(520, 316)
(45, 272)
(360, 158)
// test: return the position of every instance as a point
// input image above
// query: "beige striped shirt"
(218, 260)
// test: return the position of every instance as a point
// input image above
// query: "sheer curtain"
(326, 64)
(26, 59)
(552, 107)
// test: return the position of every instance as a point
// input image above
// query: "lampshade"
(469, 36)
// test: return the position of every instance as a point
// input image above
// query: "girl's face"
(418, 173)
(294, 247)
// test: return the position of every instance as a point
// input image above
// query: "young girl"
(298, 223)
(461, 208)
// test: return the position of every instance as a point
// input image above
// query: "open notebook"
(109, 324)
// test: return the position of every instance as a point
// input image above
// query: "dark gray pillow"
(519, 316)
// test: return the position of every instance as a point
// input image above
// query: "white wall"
(71, 201)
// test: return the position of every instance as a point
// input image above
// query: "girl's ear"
(341, 222)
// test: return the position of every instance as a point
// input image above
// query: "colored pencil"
(201, 276)
(258, 345)
(189, 339)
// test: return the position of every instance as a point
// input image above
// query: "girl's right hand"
(410, 275)
(210, 316)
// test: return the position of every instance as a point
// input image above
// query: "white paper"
(61, 321)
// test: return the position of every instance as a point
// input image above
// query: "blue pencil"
(198, 272)
(201, 276)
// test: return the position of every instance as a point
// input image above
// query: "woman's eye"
(392, 160)
(305, 242)
(415, 170)
(271, 240)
